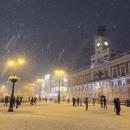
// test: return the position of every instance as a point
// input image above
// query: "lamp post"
(13, 79)
(59, 73)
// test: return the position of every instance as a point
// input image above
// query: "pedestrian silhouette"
(117, 106)
(86, 103)
(21, 99)
(78, 101)
(6, 101)
(32, 101)
(74, 101)
(17, 102)
(105, 102)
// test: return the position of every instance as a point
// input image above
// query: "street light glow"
(15, 62)
(59, 73)
(21, 61)
(10, 63)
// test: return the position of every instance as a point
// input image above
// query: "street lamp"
(13, 79)
(59, 73)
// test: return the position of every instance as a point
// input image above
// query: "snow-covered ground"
(50, 116)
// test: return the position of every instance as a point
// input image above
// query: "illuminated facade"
(108, 74)
(50, 87)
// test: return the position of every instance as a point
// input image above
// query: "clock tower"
(102, 47)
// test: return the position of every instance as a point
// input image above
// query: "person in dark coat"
(21, 99)
(32, 101)
(17, 102)
(117, 106)
(74, 101)
(35, 100)
(78, 101)
(6, 101)
(105, 102)
(86, 103)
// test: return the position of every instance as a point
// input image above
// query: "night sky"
(53, 32)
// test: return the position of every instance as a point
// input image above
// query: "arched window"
(124, 84)
(115, 84)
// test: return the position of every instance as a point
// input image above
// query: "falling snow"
(52, 29)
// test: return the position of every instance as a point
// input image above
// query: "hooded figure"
(117, 106)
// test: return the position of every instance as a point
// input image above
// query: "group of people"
(33, 100)
(16, 101)
(77, 101)
(103, 102)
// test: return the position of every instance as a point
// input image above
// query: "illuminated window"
(115, 83)
(124, 84)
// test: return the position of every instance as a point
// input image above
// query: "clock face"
(98, 44)
(106, 43)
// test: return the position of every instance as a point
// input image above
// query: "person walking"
(78, 101)
(86, 103)
(105, 102)
(35, 100)
(32, 101)
(21, 99)
(17, 102)
(117, 106)
(6, 101)
(74, 101)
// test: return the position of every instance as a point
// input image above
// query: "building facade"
(52, 85)
(108, 75)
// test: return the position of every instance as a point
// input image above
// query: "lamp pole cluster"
(14, 64)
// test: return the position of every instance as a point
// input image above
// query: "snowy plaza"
(52, 116)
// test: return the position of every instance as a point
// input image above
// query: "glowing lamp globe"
(13, 78)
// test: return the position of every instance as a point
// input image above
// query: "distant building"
(51, 85)
(108, 75)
